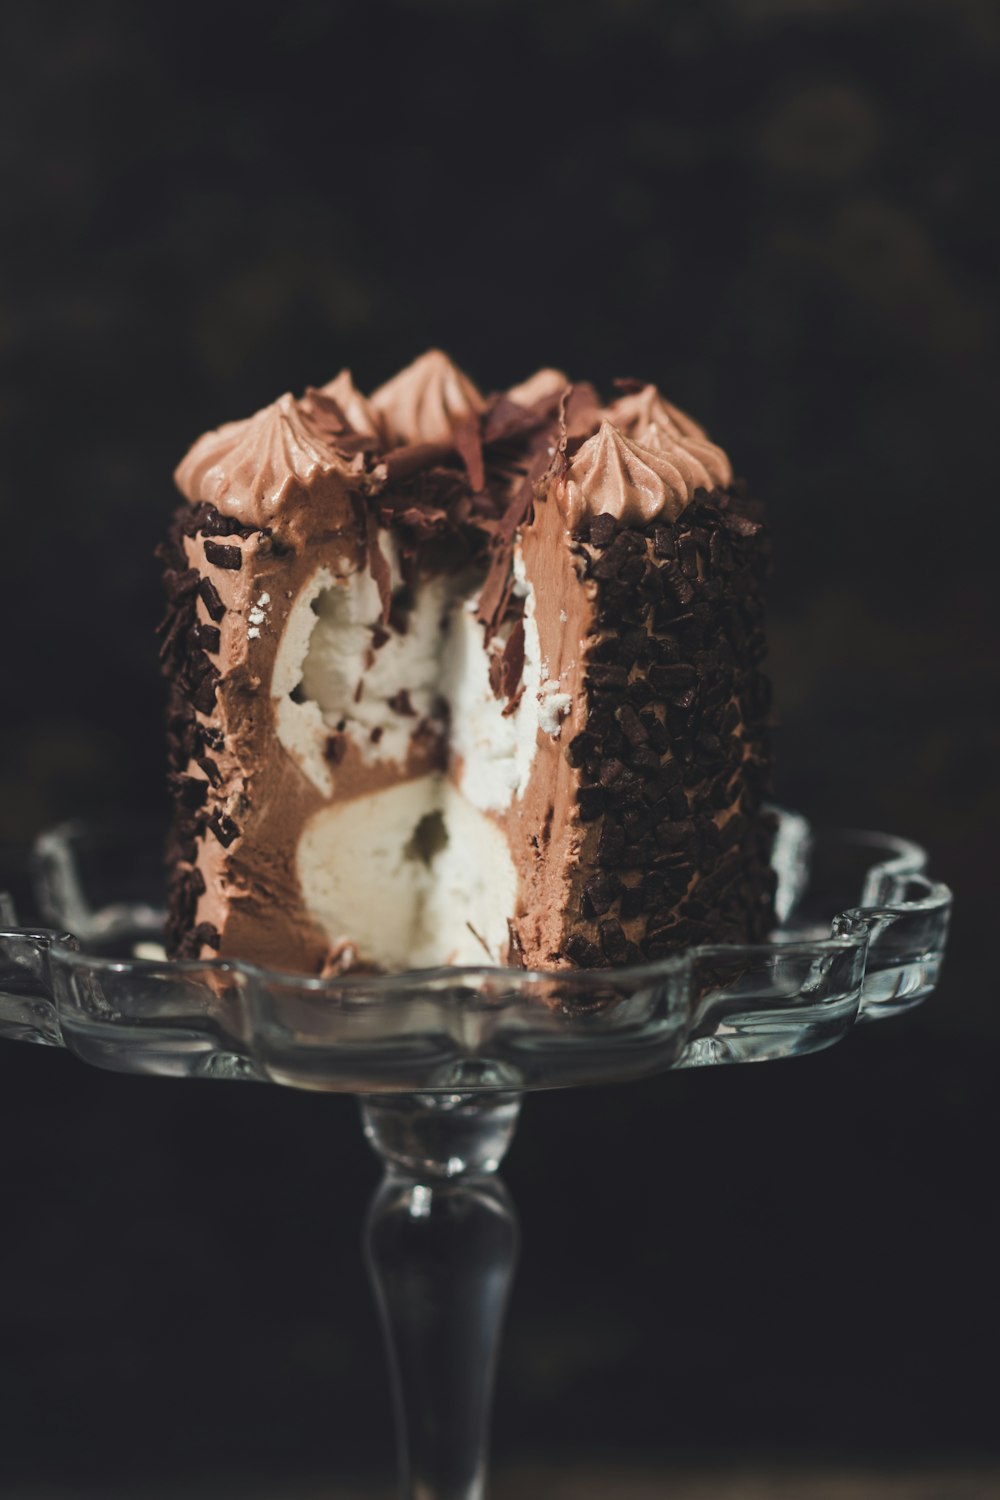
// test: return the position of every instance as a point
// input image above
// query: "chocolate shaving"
(207, 637)
(582, 952)
(664, 542)
(190, 791)
(602, 528)
(600, 893)
(403, 462)
(631, 903)
(206, 520)
(469, 444)
(480, 940)
(590, 803)
(178, 581)
(741, 525)
(335, 748)
(496, 590)
(495, 594)
(204, 694)
(515, 950)
(612, 940)
(212, 599)
(378, 564)
(331, 422)
(224, 828)
(512, 662)
(326, 413)
(400, 703)
(632, 726)
(607, 675)
(210, 769)
(505, 419)
(424, 521)
(581, 400)
(206, 935)
(221, 556)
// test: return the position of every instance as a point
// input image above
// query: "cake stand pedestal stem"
(440, 1243)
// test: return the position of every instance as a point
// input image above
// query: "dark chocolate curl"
(378, 564)
(469, 443)
(512, 661)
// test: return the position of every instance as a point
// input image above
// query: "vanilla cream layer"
(409, 877)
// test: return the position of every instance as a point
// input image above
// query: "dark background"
(783, 213)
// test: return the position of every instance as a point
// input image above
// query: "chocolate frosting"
(649, 420)
(356, 408)
(545, 382)
(613, 475)
(427, 401)
(248, 469)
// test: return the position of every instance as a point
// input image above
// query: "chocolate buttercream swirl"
(426, 402)
(356, 408)
(247, 469)
(646, 418)
(613, 475)
(546, 382)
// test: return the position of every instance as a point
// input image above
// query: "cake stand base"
(441, 1242)
(440, 1058)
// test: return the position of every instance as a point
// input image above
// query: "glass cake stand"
(440, 1059)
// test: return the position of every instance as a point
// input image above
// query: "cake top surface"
(246, 469)
(359, 412)
(636, 458)
(544, 382)
(425, 402)
(613, 474)
(653, 422)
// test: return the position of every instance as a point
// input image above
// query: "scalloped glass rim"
(793, 839)
(858, 937)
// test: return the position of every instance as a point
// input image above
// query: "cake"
(459, 679)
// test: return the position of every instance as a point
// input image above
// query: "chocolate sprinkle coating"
(674, 761)
(194, 779)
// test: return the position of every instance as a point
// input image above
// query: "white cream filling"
(412, 876)
(493, 753)
(418, 874)
(350, 679)
(329, 677)
(553, 706)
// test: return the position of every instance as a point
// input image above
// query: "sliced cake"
(467, 680)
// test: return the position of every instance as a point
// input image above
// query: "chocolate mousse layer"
(464, 679)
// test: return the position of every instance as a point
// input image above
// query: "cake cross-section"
(458, 679)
